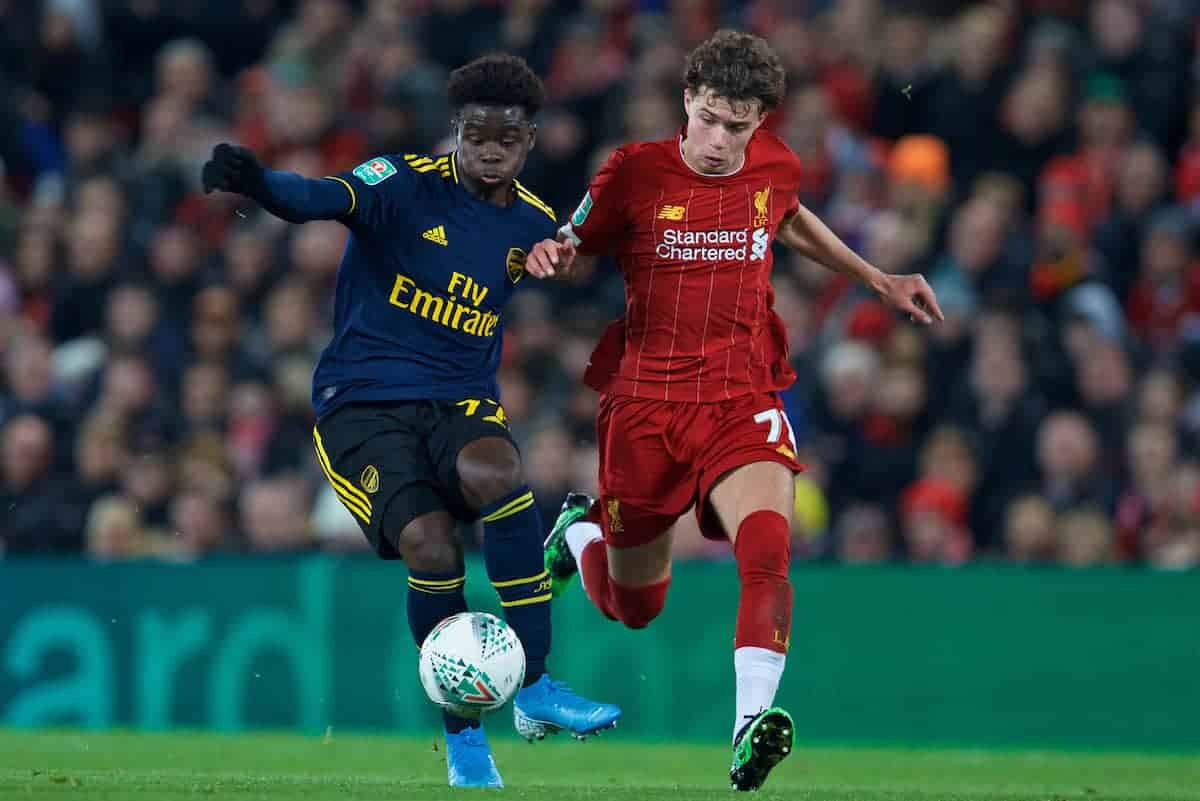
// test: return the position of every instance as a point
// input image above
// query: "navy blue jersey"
(423, 283)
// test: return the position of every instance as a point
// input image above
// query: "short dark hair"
(736, 66)
(496, 80)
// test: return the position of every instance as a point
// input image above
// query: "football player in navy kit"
(410, 431)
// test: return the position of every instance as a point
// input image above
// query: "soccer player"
(409, 429)
(690, 413)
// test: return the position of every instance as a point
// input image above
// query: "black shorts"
(390, 463)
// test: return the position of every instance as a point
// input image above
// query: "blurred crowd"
(1038, 161)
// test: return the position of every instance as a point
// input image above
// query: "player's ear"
(687, 101)
(532, 134)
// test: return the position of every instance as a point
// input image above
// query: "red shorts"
(660, 458)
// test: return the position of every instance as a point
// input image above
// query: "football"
(472, 663)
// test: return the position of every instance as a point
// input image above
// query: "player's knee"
(430, 549)
(431, 556)
(487, 474)
(636, 607)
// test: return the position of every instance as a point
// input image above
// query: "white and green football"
(472, 663)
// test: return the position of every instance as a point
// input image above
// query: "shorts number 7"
(778, 421)
(496, 417)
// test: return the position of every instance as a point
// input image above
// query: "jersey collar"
(454, 165)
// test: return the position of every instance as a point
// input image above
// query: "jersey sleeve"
(381, 191)
(793, 173)
(601, 215)
(793, 203)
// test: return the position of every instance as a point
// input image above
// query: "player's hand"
(232, 169)
(551, 259)
(912, 295)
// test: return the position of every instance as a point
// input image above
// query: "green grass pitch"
(87, 766)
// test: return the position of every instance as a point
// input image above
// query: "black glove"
(233, 169)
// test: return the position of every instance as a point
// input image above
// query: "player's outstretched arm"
(287, 195)
(805, 233)
(555, 258)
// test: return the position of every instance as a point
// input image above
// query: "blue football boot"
(548, 707)
(469, 761)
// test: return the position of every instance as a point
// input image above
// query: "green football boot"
(558, 560)
(760, 746)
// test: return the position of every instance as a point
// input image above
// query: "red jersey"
(695, 253)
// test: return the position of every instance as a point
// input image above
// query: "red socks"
(763, 551)
(593, 569)
(633, 606)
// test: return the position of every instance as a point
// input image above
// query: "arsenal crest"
(516, 264)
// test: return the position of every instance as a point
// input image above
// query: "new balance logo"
(675, 213)
(436, 234)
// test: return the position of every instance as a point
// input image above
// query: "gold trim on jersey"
(419, 163)
(350, 189)
(447, 167)
(534, 200)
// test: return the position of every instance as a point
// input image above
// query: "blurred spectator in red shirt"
(1166, 296)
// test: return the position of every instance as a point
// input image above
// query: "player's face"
(493, 143)
(718, 130)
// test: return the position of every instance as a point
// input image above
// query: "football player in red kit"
(690, 413)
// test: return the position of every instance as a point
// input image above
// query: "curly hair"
(497, 80)
(736, 66)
